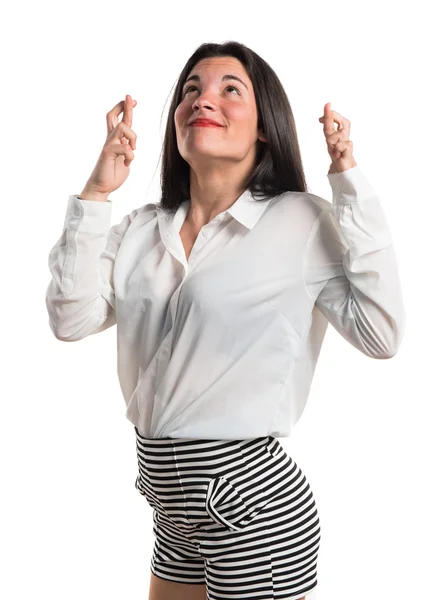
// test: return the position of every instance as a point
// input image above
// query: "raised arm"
(80, 297)
(351, 270)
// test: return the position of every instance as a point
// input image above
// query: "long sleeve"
(80, 297)
(351, 270)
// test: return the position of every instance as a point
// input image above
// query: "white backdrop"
(72, 523)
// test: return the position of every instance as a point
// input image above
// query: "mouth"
(204, 124)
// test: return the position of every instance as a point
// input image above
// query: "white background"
(72, 523)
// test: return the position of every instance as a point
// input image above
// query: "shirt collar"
(245, 209)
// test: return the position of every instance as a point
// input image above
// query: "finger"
(344, 146)
(128, 110)
(113, 114)
(125, 135)
(340, 134)
(123, 150)
(112, 117)
(338, 117)
(342, 122)
(328, 120)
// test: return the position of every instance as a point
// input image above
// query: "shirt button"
(205, 233)
(77, 213)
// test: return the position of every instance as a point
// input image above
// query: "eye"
(229, 86)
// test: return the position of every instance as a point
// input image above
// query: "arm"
(351, 270)
(80, 297)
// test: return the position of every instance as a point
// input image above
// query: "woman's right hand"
(112, 167)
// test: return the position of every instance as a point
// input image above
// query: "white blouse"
(224, 345)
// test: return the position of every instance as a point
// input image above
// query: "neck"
(212, 192)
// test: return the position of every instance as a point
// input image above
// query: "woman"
(222, 294)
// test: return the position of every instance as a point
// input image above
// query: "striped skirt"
(236, 515)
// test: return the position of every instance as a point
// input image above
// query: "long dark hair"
(279, 165)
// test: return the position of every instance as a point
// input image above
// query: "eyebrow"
(224, 78)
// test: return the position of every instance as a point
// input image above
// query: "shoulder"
(303, 207)
(135, 218)
(145, 213)
(149, 208)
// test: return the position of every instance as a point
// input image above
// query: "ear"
(261, 136)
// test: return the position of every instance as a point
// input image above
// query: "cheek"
(181, 114)
(240, 115)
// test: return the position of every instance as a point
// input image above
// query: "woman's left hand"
(339, 145)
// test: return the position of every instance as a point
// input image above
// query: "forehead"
(222, 68)
(218, 64)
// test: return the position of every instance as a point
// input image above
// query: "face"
(229, 102)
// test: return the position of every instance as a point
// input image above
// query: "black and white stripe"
(236, 515)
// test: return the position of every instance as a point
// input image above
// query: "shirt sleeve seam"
(314, 228)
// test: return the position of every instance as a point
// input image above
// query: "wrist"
(88, 194)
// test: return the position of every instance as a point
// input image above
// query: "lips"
(205, 122)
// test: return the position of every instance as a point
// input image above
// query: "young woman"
(222, 293)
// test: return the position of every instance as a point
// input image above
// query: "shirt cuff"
(92, 216)
(350, 186)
